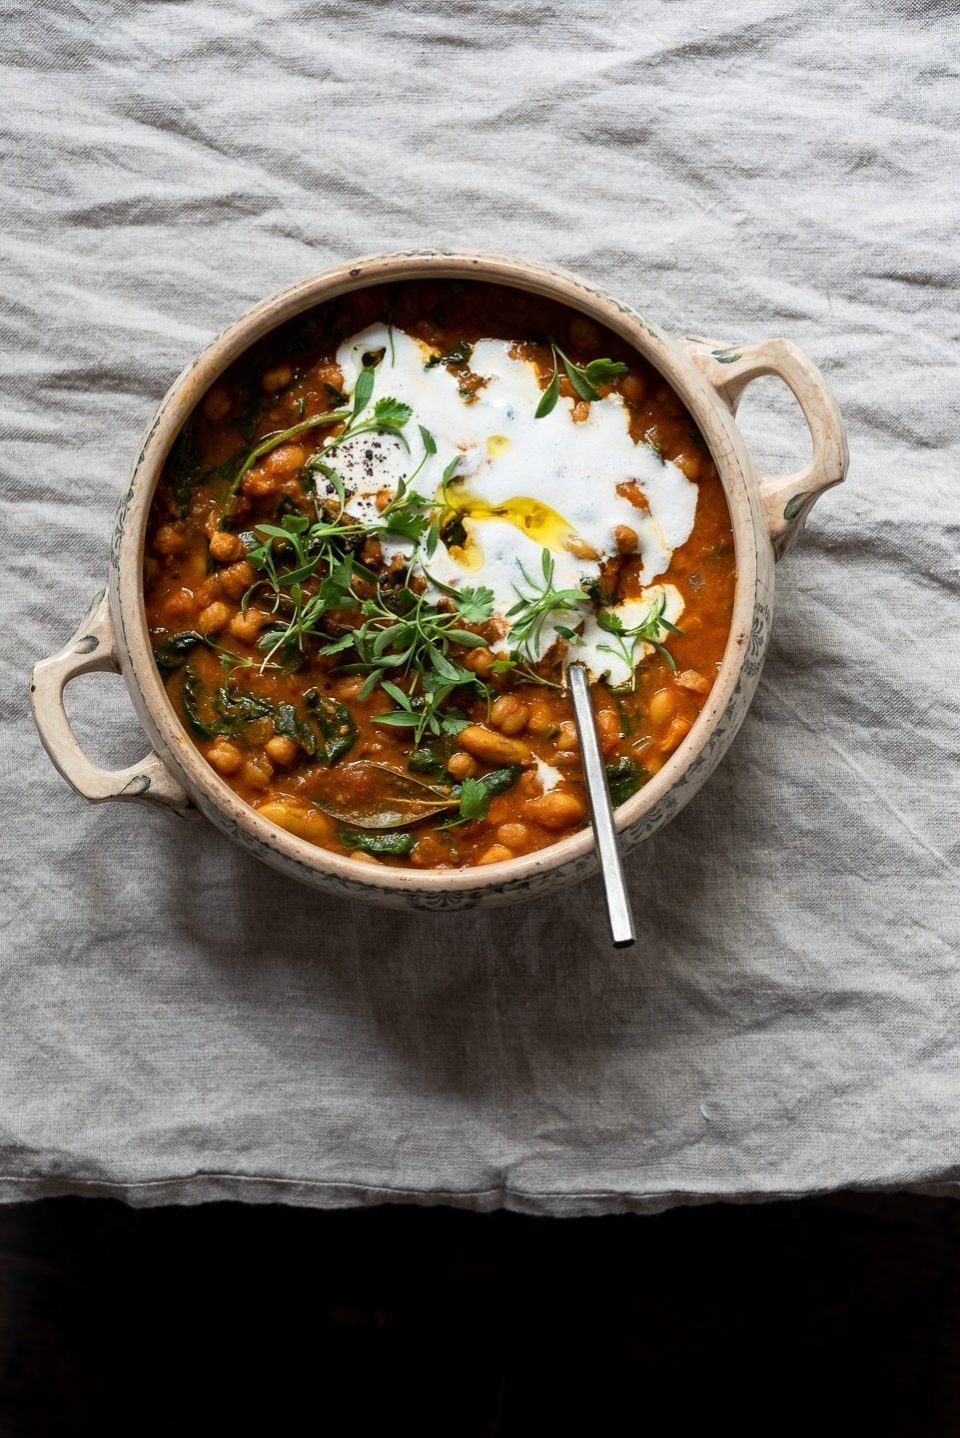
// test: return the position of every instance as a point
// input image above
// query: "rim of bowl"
(667, 356)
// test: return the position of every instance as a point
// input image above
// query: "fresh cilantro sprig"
(389, 416)
(535, 606)
(403, 633)
(650, 630)
(583, 378)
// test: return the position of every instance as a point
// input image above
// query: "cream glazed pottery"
(767, 512)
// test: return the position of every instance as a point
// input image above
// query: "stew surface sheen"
(381, 536)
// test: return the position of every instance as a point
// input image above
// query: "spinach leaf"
(332, 728)
(458, 353)
(224, 712)
(426, 761)
(193, 697)
(239, 709)
(393, 845)
(498, 781)
(625, 777)
(173, 651)
(183, 466)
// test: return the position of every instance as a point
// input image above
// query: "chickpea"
(633, 387)
(515, 836)
(567, 739)
(371, 553)
(580, 411)
(679, 729)
(626, 539)
(277, 377)
(217, 403)
(508, 714)
(225, 757)
(499, 810)
(663, 706)
(224, 546)
(462, 766)
(237, 579)
(213, 618)
(554, 810)
(258, 484)
(692, 679)
(258, 771)
(690, 464)
(491, 747)
(349, 687)
(179, 604)
(383, 498)
(170, 539)
(298, 819)
(496, 854)
(541, 720)
(480, 661)
(282, 750)
(207, 592)
(585, 334)
(285, 459)
(246, 627)
(529, 785)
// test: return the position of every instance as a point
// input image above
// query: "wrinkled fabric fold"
(180, 1024)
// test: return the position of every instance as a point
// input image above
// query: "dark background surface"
(832, 1316)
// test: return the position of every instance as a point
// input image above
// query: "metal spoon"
(601, 810)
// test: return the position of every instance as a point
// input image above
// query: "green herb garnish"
(625, 777)
(394, 846)
(533, 608)
(583, 378)
(648, 631)
(459, 353)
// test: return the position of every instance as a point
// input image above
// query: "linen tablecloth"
(178, 1023)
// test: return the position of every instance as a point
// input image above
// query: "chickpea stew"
(385, 531)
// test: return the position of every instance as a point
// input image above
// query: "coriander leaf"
(612, 623)
(474, 799)
(604, 371)
(337, 646)
(453, 722)
(391, 413)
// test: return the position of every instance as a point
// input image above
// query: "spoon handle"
(601, 810)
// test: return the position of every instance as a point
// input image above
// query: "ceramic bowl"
(767, 511)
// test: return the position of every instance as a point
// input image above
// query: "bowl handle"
(93, 648)
(787, 498)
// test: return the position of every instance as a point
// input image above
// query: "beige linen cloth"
(177, 1023)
